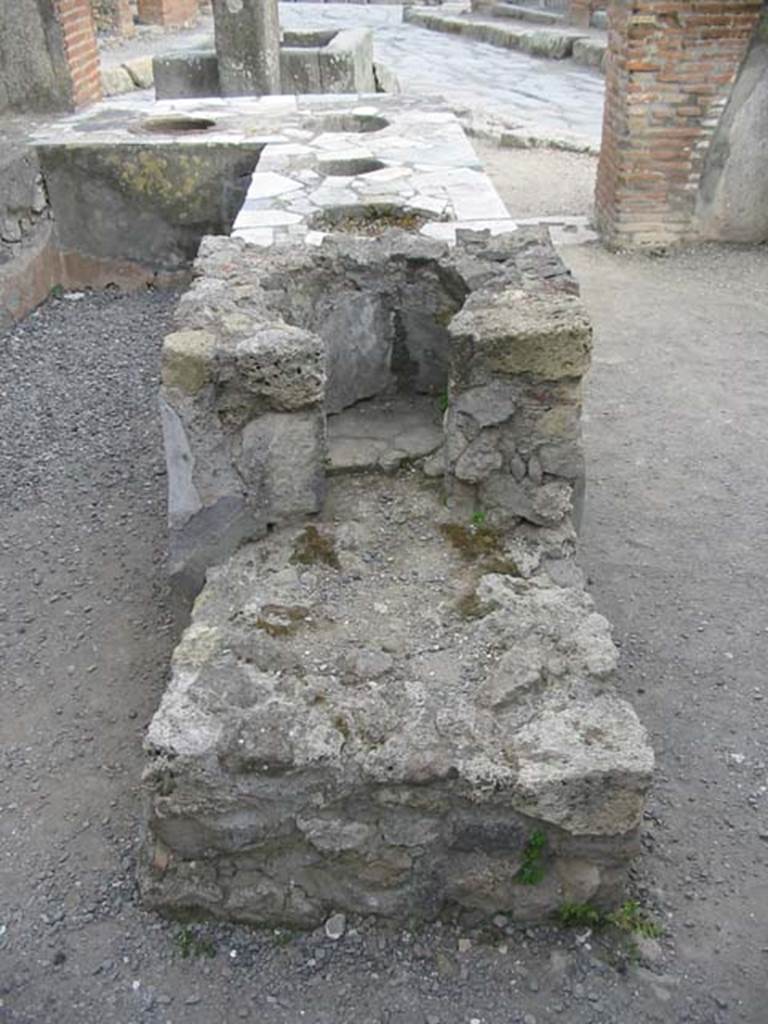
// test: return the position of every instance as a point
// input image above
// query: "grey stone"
(115, 80)
(34, 74)
(281, 463)
(732, 201)
(141, 217)
(141, 72)
(590, 52)
(358, 340)
(335, 927)
(247, 36)
(186, 75)
(342, 787)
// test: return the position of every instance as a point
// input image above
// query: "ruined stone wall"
(168, 12)
(362, 317)
(670, 69)
(400, 697)
(113, 16)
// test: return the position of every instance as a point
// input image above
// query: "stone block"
(545, 334)
(188, 74)
(187, 359)
(141, 71)
(116, 80)
(281, 462)
(295, 769)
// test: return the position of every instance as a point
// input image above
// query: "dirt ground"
(675, 545)
(541, 182)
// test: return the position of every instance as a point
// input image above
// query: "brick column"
(671, 65)
(80, 50)
(168, 12)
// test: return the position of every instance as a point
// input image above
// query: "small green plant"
(57, 291)
(532, 868)
(191, 943)
(471, 541)
(478, 518)
(312, 547)
(580, 915)
(442, 401)
(629, 918)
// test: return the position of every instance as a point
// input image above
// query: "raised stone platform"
(388, 711)
(276, 169)
(319, 61)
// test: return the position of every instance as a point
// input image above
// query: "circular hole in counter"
(372, 219)
(359, 123)
(176, 124)
(352, 167)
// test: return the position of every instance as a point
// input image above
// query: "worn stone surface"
(365, 716)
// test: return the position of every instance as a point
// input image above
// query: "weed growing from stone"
(629, 918)
(314, 548)
(472, 541)
(532, 869)
(191, 943)
(580, 915)
(478, 518)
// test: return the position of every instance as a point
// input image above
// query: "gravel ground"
(675, 543)
(541, 182)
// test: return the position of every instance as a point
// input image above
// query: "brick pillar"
(80, 50)
(168, 13)
(670, 68)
